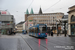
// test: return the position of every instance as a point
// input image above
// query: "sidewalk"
(55, 35)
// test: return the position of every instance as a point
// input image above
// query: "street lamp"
(57, 26)
(65, 28)
(53, 24)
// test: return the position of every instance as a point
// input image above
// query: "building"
(63, 23)
(65, 19)
(4, 12)
(20, 26)
(43, 18)
(71, 21)
(7, 22)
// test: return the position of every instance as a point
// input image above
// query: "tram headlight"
(39, 33)
(46, 33)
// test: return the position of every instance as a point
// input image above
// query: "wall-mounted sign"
(3, 12)
(8, 24)
(30, 20)
(30, 24)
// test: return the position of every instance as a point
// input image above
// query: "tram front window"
(42, 29)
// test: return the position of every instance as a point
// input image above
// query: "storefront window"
(72, 29)
(72, 18)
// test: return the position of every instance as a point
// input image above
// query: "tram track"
(49, 43)
(40, 44)
(43, 45)
(59, 44)
(56, 43)
(26, 42)
(19, 45)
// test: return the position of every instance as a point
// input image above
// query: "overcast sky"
(18, 7)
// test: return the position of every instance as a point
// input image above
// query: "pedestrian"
(26, 31)
(8, 32)
(48, 31)
(58, 32)
(65, 33)
(51, 32)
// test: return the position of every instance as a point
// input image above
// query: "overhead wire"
(30, 3)
(52, 5)
(61, 7)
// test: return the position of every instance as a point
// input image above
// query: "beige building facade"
(20, 26)
(71, 21)
(49, 19)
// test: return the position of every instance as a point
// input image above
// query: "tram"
(39, 30)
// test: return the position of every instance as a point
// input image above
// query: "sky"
(19, 7)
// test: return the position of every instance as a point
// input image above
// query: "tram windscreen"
(42, 28)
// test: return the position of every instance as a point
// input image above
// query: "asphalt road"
(26, 42)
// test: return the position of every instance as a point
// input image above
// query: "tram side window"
(31, 30)
(36, 30)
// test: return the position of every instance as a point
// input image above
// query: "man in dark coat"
(51, 32)
(48, 31)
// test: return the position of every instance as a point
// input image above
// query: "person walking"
(48, 31)
(52, 32)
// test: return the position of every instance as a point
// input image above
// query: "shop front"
(72, 25)
(72, 29)
(71, 21)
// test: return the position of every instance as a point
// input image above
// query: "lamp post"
(57, 26)
(53, 23)
(65, 28)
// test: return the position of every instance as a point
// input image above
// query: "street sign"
(30, 24)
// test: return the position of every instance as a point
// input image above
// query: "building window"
(5, 21)
(72, 18)
(72, 29)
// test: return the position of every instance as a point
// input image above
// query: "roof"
(46, 14)
(4, 12)
(31, 11)
(71, 11)
(21, 22)
(71, 6)
(40, 11)
(37, 25)
(27, 12)
(65, 17)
